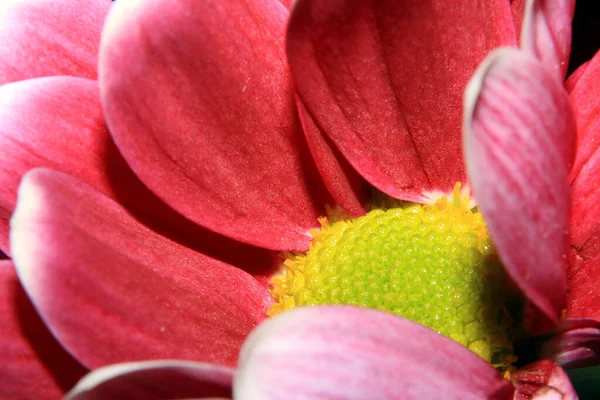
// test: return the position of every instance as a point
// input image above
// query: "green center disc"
(433, 264)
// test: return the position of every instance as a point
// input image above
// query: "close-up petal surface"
(112, 291)
(385, 84)
(33, 365)
(155, 380)
(50, 37)
(342, 352)
(547, 32)
(519, 143)
(200, 101)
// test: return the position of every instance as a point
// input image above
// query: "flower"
(205, 110)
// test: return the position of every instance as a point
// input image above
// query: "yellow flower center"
(433, 264)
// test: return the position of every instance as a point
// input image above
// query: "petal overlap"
(519, 141)
(124, 293)
(386, 86)
(53, 122)
(57, 123)
(200, 102)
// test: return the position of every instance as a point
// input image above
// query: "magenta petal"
(200, 101)
(543, 380)
(573, 79)
(155, 380)
(50, 37)
(347, 187)
(519, 137)
(341, 352)
(547, 32)
(385, 83)
(33, 365)
(583, 299)
(57, 122)
(111, 290)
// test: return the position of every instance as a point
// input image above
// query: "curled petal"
(199, 99)
(385, 84)
(345, 353)
(543, 380)
(519, 135)
(33, 365)
(111, 290)
(50, 37)
(578, 345)
(155, 380)
(547, 32)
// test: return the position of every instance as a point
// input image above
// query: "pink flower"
(156, 240)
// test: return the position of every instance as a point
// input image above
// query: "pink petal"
(58, 123)
(200, 101)
(50, 37)
(155, 380)
(384, 80)
(111, 290)
(519, 137)
(573, 79)
(543, 380)
(583, 299)
(341, 352)
(347, 187)
(547, 32)
(33, 365)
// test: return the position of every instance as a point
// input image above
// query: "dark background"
(586, 33)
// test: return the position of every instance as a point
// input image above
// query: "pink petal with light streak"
(386, 84)
(57, 122)
(33, 365)
(155, 380)
(547, 32)
(111, 290)
(343, 353)
(200, 102)
(583, 298)
(50, 37)
(350, 191)
(543, 380)
(519, 138)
